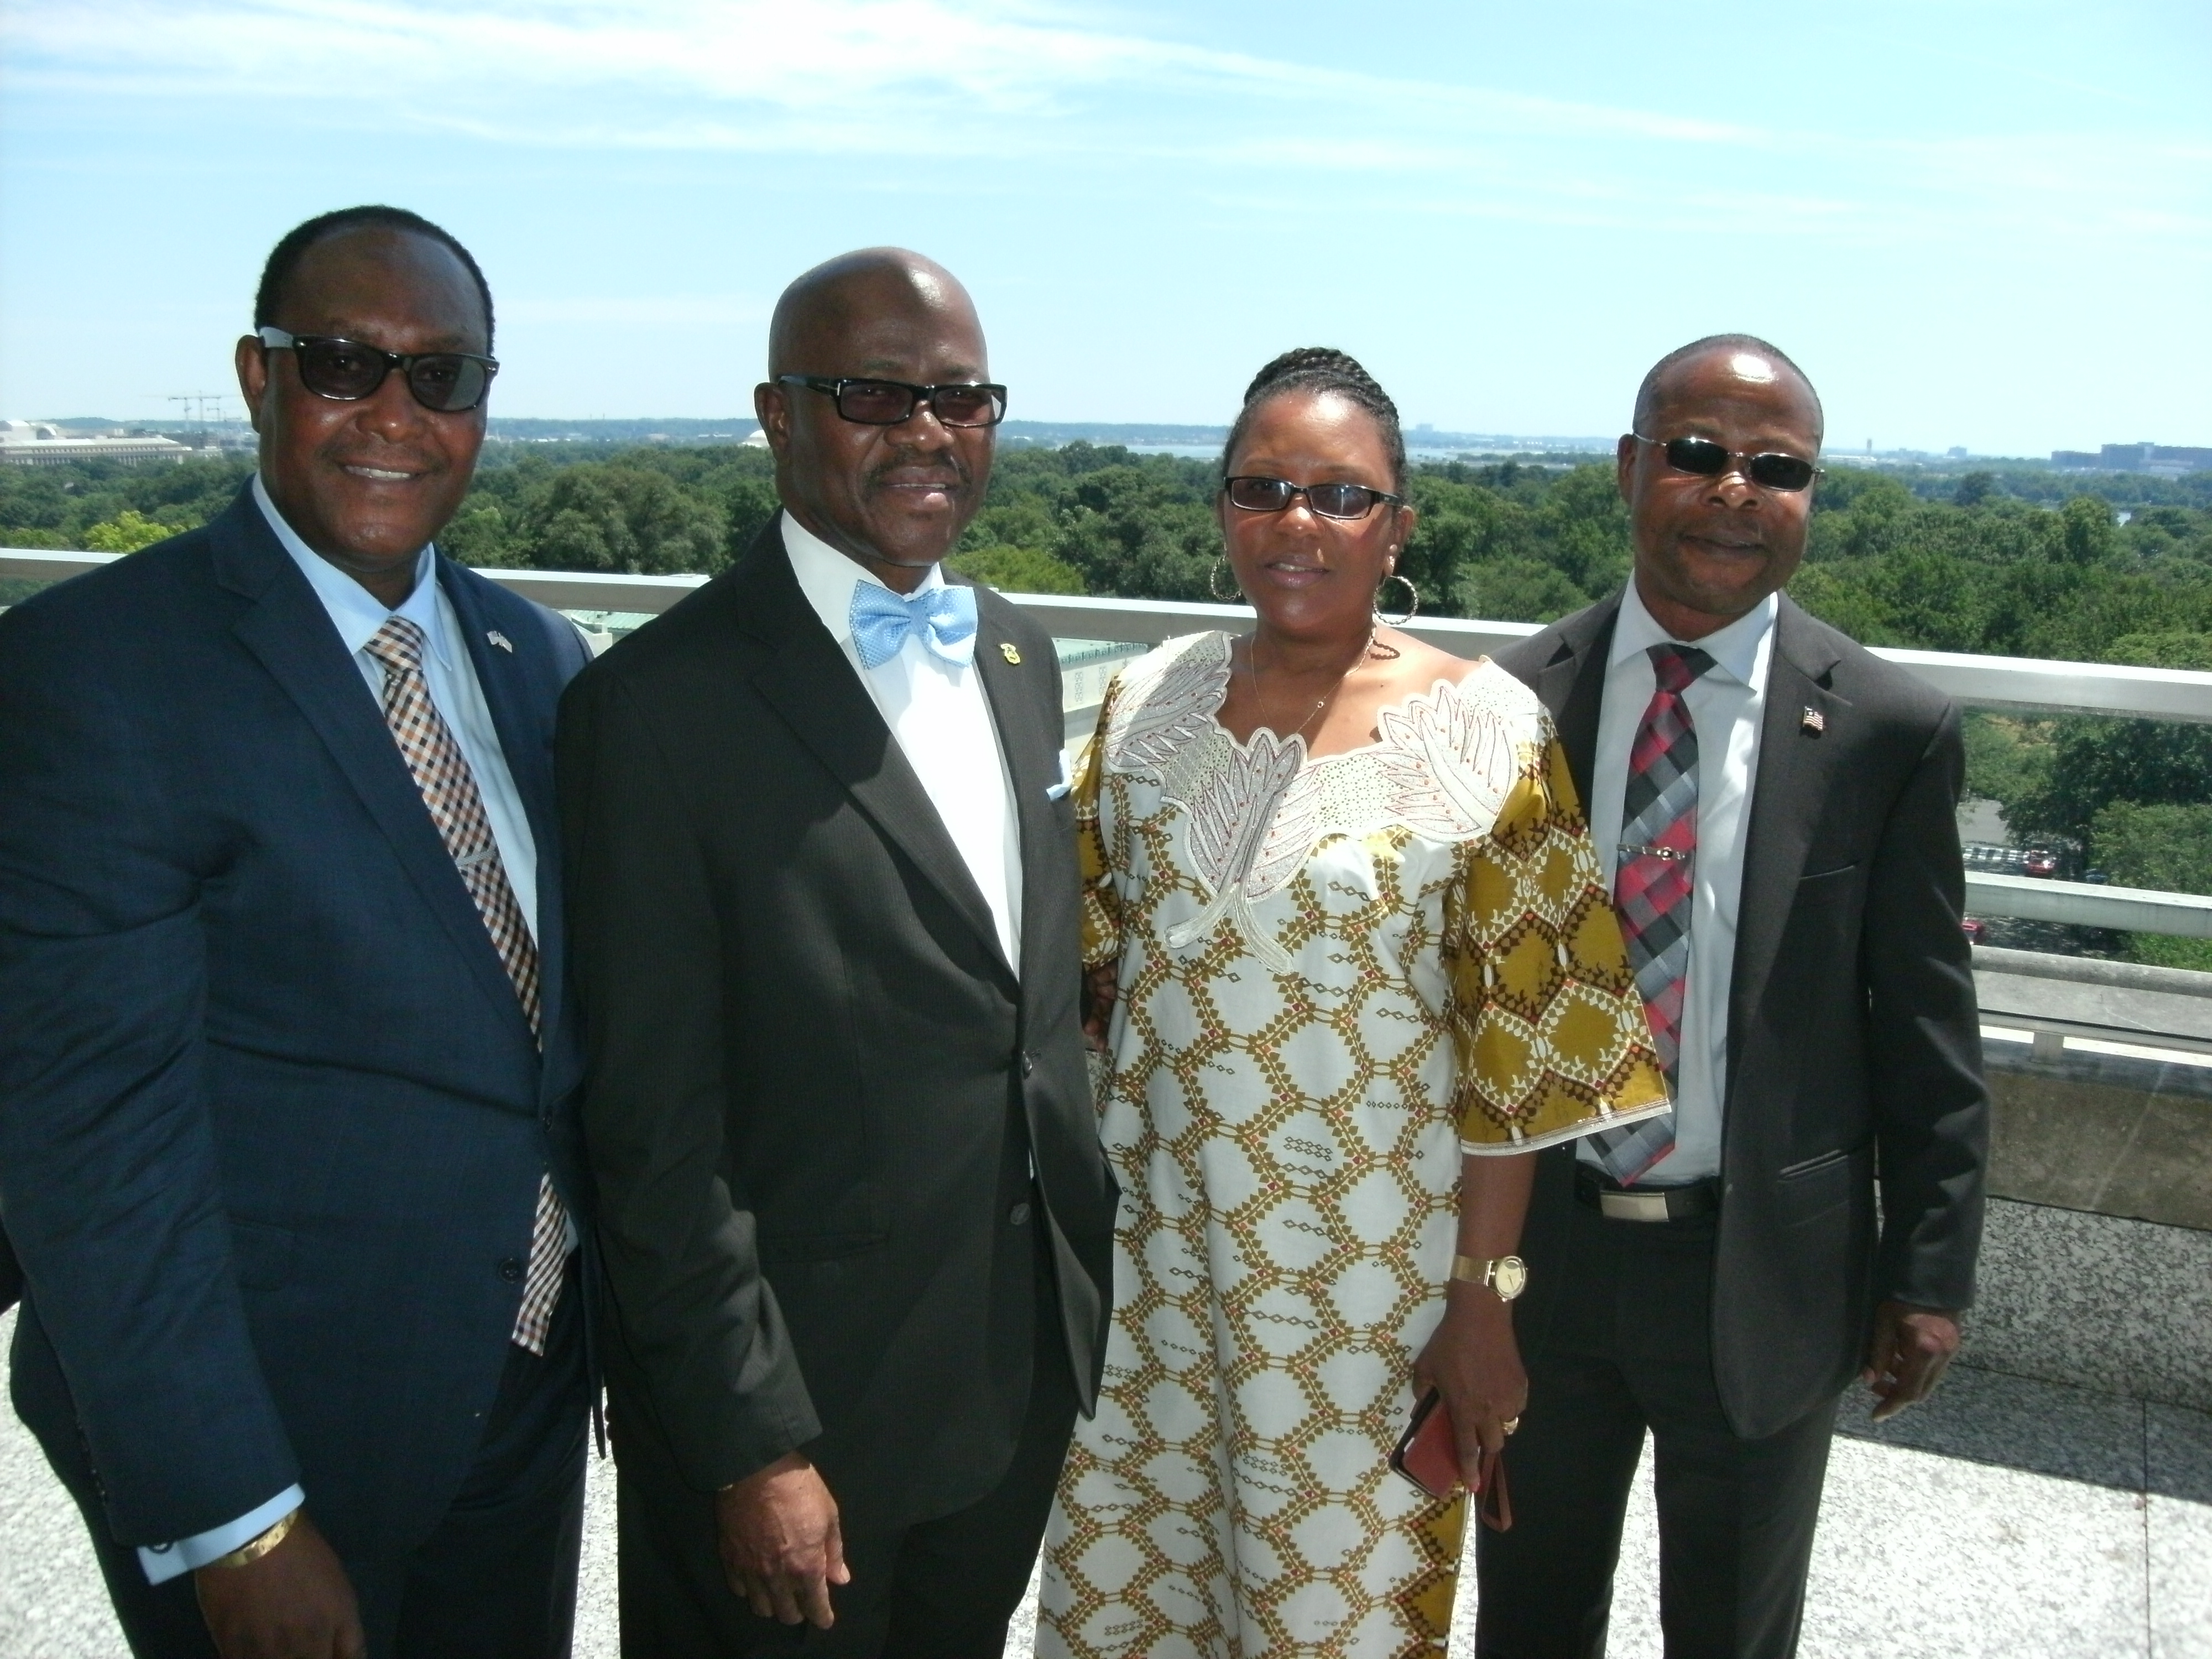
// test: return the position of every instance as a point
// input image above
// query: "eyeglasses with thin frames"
(1704, 459)
(1254, 493)
(893, 403)
(346, 370)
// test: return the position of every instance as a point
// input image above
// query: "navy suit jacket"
(271, 1119)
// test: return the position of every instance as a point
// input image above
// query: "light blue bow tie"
(944, 617)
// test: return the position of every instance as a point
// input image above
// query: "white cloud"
(936, 78)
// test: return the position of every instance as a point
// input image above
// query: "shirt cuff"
(163, 1562)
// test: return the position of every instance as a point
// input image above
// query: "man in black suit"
(857, 1224)
(1777, 810)
(288, 1137)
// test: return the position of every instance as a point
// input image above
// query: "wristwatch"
(1507, 1276)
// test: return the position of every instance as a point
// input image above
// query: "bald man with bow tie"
(857, 1224)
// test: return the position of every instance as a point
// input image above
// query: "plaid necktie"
(449, 790)
(1652, 883)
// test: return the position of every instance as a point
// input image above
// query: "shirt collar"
(357, 613)
(828, 578)
(1738, 650)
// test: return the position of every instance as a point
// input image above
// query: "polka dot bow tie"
(944, 618)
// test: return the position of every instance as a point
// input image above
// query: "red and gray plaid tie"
(1652, 885)
(449, 790)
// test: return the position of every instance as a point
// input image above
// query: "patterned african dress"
(1335, 973)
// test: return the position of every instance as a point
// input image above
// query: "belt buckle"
(1632, 1206)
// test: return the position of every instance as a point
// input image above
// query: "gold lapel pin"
(1813, 720)
(1011, 655)
(500, 640)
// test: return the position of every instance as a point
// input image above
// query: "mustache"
(948, 469)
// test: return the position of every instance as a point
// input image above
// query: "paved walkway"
(2007, 1520)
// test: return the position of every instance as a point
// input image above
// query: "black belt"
(1618, 1203)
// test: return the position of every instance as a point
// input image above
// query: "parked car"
(1977, 930)
(2039, 861)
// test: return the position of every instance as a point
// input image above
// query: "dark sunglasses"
(1330, 500)
(893, 403)
(347, 371)
(1708, 459)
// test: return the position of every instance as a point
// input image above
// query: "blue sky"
(1985, 222)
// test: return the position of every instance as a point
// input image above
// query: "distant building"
(24, 443)
(2161, 460)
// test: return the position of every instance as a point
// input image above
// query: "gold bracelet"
(253, 1549)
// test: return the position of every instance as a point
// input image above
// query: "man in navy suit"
(287, 1142)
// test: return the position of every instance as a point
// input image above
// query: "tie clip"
(1672, 854)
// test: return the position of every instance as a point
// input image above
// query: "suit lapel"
(1017, 688)
(288, 629)
(1572, 686)
(1788, 798)
(813, 687)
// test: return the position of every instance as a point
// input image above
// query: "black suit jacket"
(1854, 1045)
(814, 1083)
(271, 1117)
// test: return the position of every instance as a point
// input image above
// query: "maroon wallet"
(1428, 1455)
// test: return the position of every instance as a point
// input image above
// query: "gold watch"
(1506, 1276)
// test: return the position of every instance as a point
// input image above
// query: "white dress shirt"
(939, 715)
(357, 614)
(1727, 703)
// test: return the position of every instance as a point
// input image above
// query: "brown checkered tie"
(449, 790)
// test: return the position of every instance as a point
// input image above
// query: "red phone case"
(1427, 1454)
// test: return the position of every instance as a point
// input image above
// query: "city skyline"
(1975, 225)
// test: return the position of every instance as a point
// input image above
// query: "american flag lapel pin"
(505, 645)
(1813, 721)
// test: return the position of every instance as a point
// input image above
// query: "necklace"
(1252, 674)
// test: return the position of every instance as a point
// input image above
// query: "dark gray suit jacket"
(1854, 1044)
(814, 1084)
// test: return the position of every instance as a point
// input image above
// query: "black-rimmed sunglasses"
(893, 403)
(346, 370)
(1254, 493)
(1707, 459)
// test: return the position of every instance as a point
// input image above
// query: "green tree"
(126, 532)
(2167, 848)
(1017, 569)
(621, 519)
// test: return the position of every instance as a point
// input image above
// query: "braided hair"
(1320, 370)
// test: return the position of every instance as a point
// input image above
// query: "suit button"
(510, 1270)
(1018, 1214)
(1029, 1063)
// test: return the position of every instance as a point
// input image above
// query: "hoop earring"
(1234, 595)
(1412, 600)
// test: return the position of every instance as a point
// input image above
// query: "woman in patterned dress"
(1351, 963)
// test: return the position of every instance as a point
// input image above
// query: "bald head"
(894, 498)
(821, 314)
(1743, 358)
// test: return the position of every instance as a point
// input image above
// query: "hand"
(1474, 1363)
(295, 1602)
(1911, 1350)
(1101, 986)
(780, 1547)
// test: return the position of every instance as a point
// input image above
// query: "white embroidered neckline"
(1443, 766)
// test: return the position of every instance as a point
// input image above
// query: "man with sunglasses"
(289, 1146)
(857, 1223)
(1776, 810)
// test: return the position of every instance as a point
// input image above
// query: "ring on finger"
(1510, 1424)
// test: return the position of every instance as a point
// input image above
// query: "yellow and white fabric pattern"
(1335, 973)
